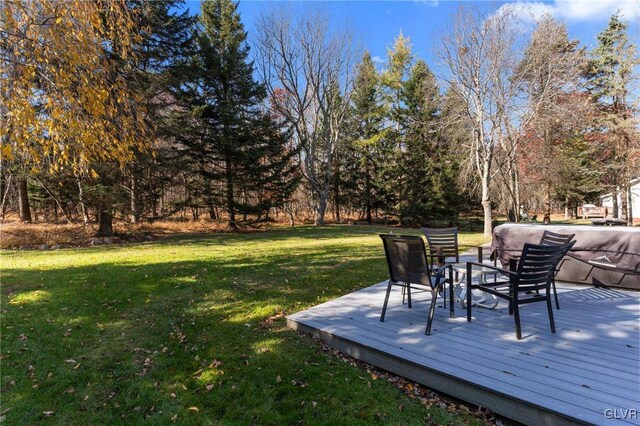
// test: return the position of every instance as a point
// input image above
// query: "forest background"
(142, 111)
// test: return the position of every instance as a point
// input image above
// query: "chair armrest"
(442, 268)
(495, 268)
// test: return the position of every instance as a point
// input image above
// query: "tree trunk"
(321, 208)
(367, 187)
(614, 214)
(630, 208)
(23, 201)
(230, 201)
(547, 203)
(624, 196)
(105, 221)
(83, 205)
(135, 198)
(486, 200)
(5, 195)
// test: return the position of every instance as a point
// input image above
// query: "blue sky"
(375, 24)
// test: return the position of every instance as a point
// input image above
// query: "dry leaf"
(193, 409)
(47, 413)
(172, 395)
(315, 404)
(174, 418)
(209, 387)
(278, 379)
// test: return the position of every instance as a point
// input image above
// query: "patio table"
(483, 300)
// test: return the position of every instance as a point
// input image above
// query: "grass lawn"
(186, 329)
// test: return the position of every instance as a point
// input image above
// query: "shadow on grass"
(203, 339)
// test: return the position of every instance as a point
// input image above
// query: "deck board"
(591, 364)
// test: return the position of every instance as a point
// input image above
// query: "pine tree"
(219, 123)
(166, 42)
(367, 150)
(429, 185)
(399, 62)
(610, 73)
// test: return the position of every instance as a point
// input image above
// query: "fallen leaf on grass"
(315, 404)
(172, 395)
(278, 379)
(47, 413)
(196, 409)
(174, 418)
(208, 387)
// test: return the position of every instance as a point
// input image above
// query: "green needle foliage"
(190, 329)
(240, 153)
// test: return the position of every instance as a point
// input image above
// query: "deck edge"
(504, 405)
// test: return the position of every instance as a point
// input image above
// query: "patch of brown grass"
(17, 235)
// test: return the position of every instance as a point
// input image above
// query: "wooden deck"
(587, 372)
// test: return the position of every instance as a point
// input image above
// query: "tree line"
(140, 110)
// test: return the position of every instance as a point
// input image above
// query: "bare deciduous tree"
(308, 69)
(479, 57)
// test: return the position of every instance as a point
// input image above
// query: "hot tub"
(602, 256)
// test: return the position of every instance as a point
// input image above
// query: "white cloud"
(576, 10)
(433, 3)
(378, 60)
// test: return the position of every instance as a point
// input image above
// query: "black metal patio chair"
(442, 244)
(522, 283)
(550, 239)
(407, 262)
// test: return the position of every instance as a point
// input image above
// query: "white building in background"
(607, 201)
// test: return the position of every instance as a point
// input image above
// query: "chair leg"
(555, 293)
(432, 310)
(444, 294)
(551, 321)
(386, 301)
(451, 300)
(468, 289)
(409, 295)
(516, 316)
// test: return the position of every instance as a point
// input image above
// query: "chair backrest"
(537, 265)
(553, 238)
(406, 258)
(443, 241)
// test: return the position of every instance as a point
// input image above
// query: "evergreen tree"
(166, 43)
(367, 149)
(394, 77)
(610, 73)
(429, 181)
(219, 123)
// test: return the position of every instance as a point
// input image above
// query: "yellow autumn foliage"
(64, 100)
